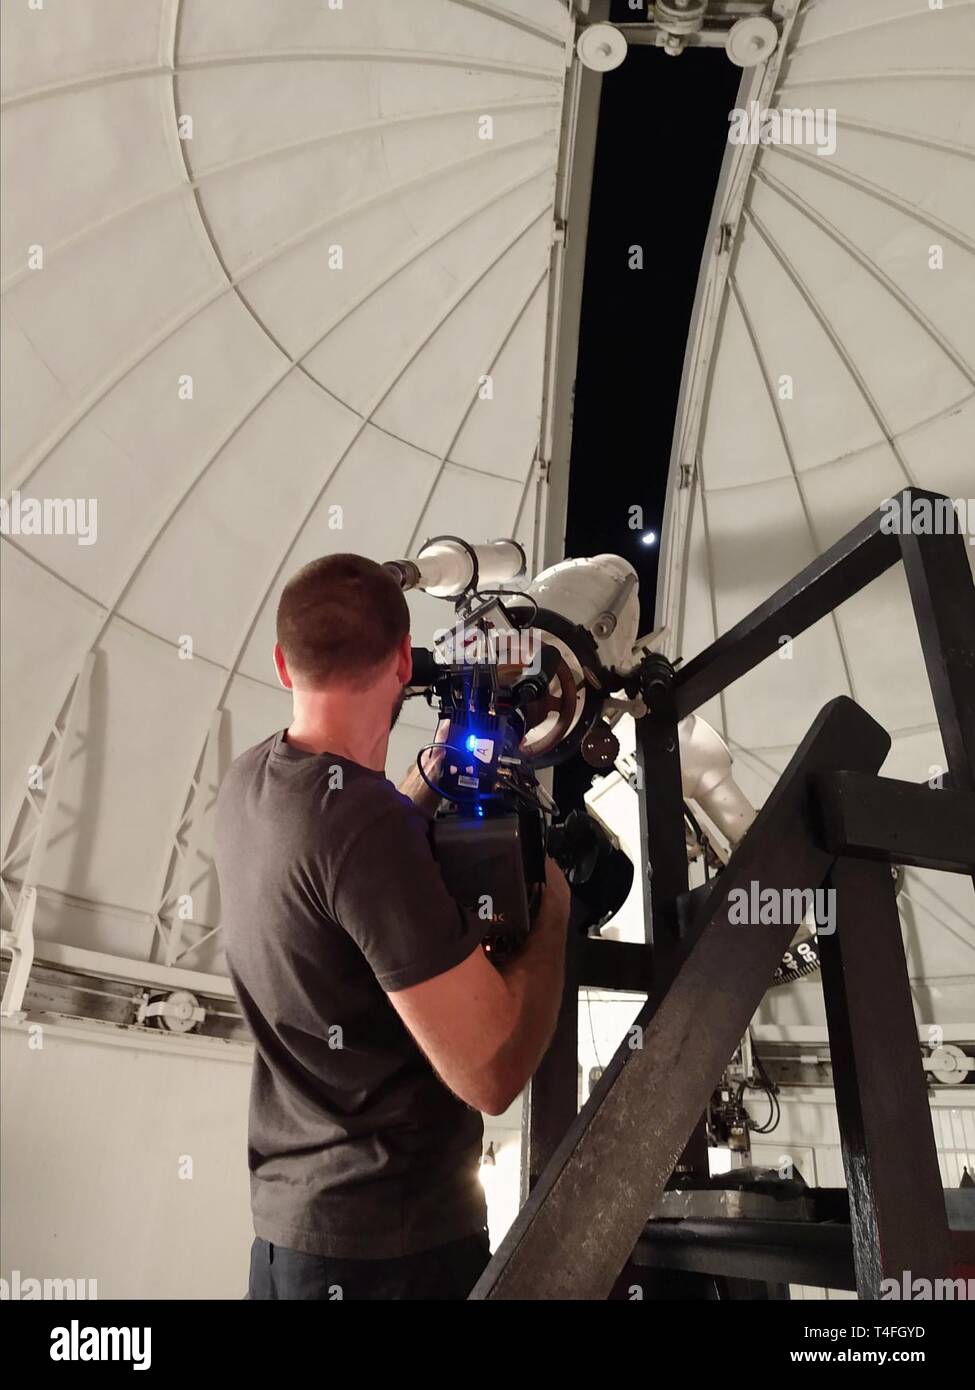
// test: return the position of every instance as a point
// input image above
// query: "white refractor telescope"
(589, 611)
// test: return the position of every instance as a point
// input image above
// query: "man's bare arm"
(484, 1030)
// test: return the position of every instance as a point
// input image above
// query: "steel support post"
(897, 1209)
(663, 847)
(943, 595)
(551, 1100)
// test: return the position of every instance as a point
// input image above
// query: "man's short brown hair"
(339, 619)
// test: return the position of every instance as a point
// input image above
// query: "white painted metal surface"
(275, 283)
(833, 363)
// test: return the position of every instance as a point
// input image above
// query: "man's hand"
(413, 785)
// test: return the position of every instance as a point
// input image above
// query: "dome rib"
(261, 263)
(839, 346)
(883, 195)
(199, 182)
(802, 46)
(872, 269)
(790, 456)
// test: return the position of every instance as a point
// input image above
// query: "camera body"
(494, 867)
(497, 822)
(489, 836)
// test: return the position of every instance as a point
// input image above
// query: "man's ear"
(404, 661)
(281, 667)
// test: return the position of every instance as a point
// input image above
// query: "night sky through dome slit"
(663, 128)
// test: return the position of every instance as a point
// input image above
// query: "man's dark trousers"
(446, 1272)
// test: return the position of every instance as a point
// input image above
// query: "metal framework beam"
(583, 1219)
(897, 1206)
(664, 851)
(551, 1098)
(897, 822)
(188, 869)
(817, 1253)
(616, 965)
(943, 594)
(573, 194)
(34, 825)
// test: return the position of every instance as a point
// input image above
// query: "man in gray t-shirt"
(381, 1028)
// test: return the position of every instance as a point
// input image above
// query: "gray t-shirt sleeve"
(390, 897)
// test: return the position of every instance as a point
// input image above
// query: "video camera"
(519, 688)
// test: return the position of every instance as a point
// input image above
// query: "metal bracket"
(187, 869)
(34, 822)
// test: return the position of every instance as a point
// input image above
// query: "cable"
(774, 1114)
(552, 807)
(766, 1084)
(592, 1031)
(694, 823)
(523, 795)
(511, 593)
(701, 838)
